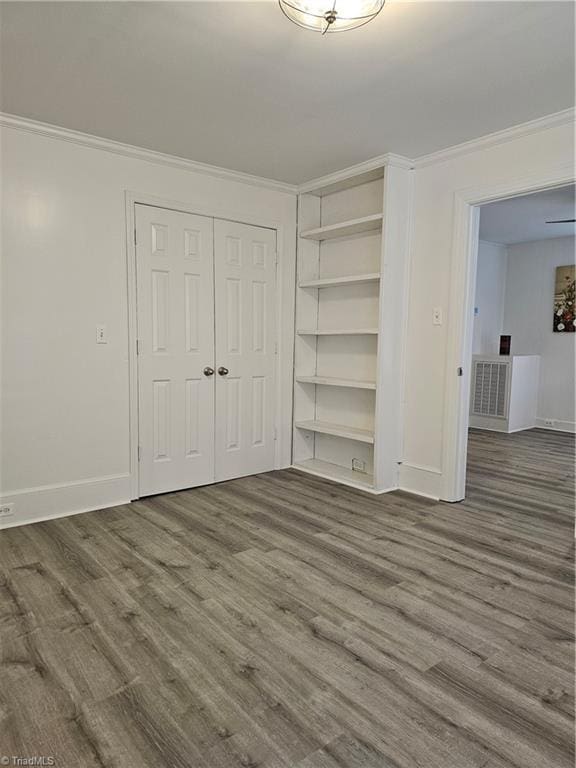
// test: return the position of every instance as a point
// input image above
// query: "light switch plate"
(101, 335)
(437, 316)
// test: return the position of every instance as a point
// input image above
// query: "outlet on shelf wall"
(7, 509)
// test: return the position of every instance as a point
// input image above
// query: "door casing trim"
(282, 421)
(466, 219)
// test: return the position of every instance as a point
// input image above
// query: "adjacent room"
(287, 374)
(523, 360)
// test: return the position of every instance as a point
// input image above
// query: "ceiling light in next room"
(331, 15)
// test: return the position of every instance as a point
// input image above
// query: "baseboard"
(341, 480)
(557, 424)
(423, 481)
(504, 431)
(33, 505)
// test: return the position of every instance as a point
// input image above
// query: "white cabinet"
(350, 315)
(504, 394)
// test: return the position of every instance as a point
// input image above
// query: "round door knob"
(223, 371)
(208, 371)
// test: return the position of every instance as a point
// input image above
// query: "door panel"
(245, 287)
(175, 283)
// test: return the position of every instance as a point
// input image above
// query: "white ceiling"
(523, 219)
(237, 85)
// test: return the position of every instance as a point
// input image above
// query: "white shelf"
(341, 180)
(345, 332)
(331, 381)
(335, 472)
(372, 223)
(327, 428)
(326, 282)
(339, 332)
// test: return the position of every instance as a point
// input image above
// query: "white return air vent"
(490, 387)
(504, 392)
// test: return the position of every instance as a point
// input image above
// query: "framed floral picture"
(564, 307)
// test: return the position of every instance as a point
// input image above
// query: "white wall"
(515, 295)
(65, 436)
(65, 401)
(528, 313)
(432, 254)
(489, 301)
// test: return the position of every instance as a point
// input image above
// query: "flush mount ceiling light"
(331, 15)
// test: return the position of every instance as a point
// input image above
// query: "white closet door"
(175, 277)
(245, 287)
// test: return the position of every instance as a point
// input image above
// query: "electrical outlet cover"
(7, 509)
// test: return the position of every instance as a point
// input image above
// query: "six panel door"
(245, 288)
(175, 294)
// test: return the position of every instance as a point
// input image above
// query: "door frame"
(284, 331)
(464, 260)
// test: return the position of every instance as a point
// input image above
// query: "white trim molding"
(46, 502)
(461, 299)
(423, 481)
(342, 480)
(565, 117)
(285, 293)
(365, 170)
(140, 153)
(557, 425)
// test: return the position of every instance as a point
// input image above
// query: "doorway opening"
(522, 353)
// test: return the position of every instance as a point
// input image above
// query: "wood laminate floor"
(283, 621)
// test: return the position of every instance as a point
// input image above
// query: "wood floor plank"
(284, 621)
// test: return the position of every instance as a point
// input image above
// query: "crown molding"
(565, 117)
(140, 153)
(368, 169)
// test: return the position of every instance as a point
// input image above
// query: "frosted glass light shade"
(328, 16)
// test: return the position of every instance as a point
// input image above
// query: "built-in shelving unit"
(352, 263)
